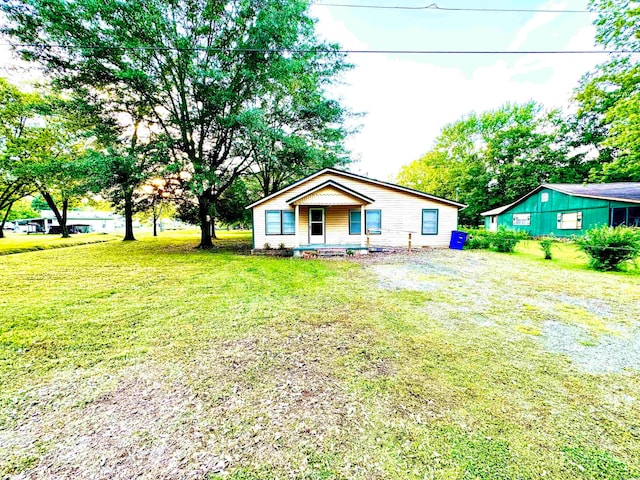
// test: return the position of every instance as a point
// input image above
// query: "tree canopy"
(490, 159)
(228, 84)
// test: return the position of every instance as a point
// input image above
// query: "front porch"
(330, 250)
(329, 217)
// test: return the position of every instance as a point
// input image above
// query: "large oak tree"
(209, 71)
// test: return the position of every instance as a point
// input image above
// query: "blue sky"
(407, 99)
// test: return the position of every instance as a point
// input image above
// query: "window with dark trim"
(629, 216)
(373, 222)
(280, 222)
(355, 222)
(429, 221)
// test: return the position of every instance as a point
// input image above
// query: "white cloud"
(408, 102)
(538, 21)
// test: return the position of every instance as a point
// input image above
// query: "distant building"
(564, 209)
(77, 222)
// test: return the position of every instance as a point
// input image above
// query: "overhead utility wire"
(435, 6)
(323, 50)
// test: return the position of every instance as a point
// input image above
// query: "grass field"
(152, 359)
(20, 242)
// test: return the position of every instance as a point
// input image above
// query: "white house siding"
(401, 214)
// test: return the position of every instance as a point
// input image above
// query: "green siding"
(544, 215)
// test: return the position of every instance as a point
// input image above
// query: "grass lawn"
(21, 242)
(152, 359)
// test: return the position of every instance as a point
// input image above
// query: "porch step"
(331, 252)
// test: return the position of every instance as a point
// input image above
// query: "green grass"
(126, 359)
(565, 255)
(20, 242)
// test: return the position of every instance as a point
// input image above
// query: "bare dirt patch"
(240, 404)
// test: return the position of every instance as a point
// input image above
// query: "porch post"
(296, 240)
(362, 232)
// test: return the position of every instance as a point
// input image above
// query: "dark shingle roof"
(610, 191)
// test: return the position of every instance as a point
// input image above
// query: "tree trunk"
(155, 224)
(128, 216)
(4, 220)
(204, 208)
(62, 219)
(65, 206)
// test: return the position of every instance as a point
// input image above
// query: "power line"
(436, 7)
(323, 50)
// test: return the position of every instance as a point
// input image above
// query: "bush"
(505, 241)
(267, 246)
(609, 247)
(545, 245)
(477, 239)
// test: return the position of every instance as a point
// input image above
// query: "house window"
(355, 218)
(429, 221)
(288, 222)
(570, 221)
(544, 197)
(373, 222)
(521, 219)
(629, 216)
(280, 222)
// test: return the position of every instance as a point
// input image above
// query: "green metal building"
(568, 209)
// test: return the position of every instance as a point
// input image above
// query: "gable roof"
(617, 192)
(357, 177)
(496, 211)
(335, 185)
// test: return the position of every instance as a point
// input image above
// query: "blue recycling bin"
(457, 240)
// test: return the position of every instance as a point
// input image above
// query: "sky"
(407, 99)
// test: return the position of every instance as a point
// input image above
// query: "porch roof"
(330, 193)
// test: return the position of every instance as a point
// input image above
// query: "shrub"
(545, 245)
(477, 239)
(609, 247)
(281, 246)
(505, 241)
(267, 246)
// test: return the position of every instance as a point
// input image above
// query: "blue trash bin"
(457, 240)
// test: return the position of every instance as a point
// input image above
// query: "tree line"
(206, 102)
(492, 158)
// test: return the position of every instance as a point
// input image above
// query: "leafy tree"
(490, 159)
(38, 203)
(17, 110)
(608, 97)
(154, 198)
(125, 162)
(202, 68)
(58, 166)
(617, 24)
(284, 153)
(230, 208)
(22, 209)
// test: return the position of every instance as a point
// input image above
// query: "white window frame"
(570, 221)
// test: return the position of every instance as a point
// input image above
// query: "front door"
(316, 225)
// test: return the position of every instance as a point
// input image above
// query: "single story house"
(564, 209)
(333, 208)
(78, 221)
